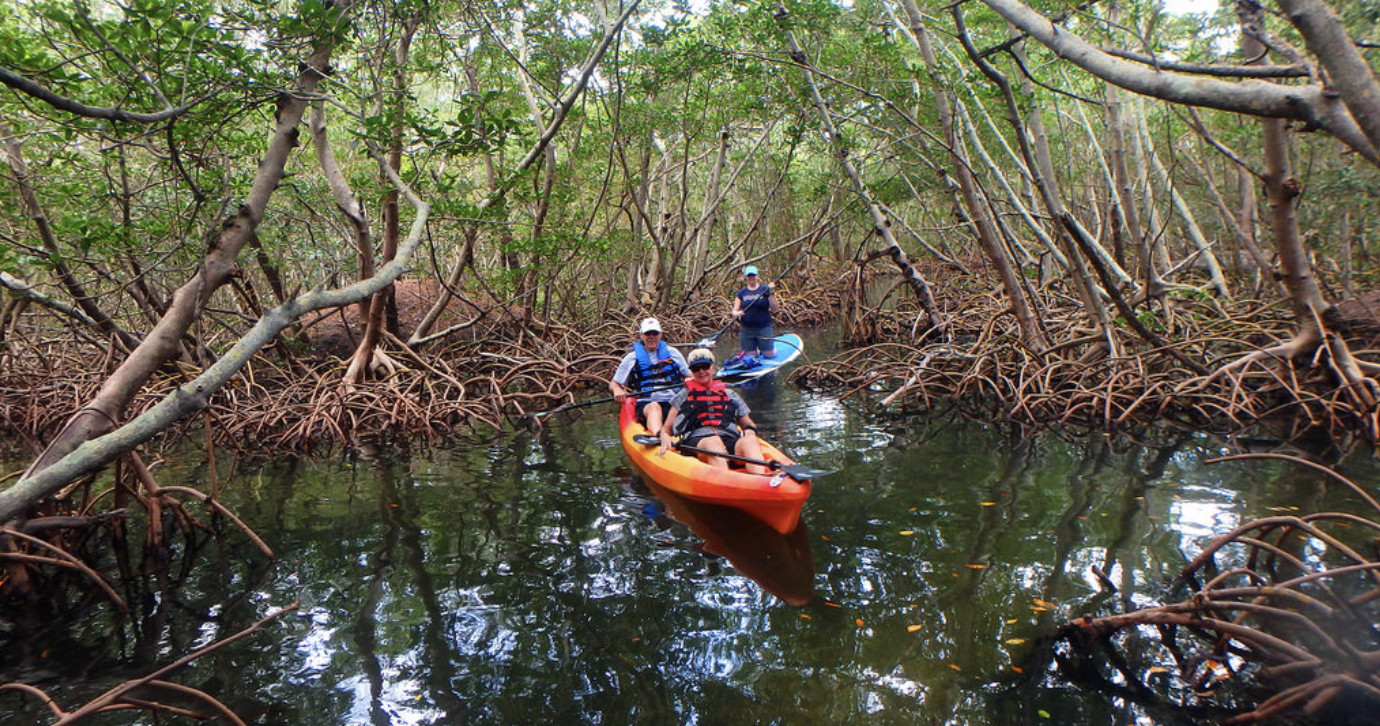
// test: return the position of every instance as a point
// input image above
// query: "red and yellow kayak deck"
(774, 498)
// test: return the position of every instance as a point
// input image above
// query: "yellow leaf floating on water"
(1012, 621)
(907, 532)
(913, 628)
(989, 504)
(1157, 669)
(832, 604)
(1018, 669)
(975, 566)
(1015, 641)
(860, 622)
(1043, 604)
(955, 667)
(805, 616)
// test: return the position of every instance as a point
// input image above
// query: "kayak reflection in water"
(781, 564)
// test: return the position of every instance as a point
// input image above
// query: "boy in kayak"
(651, 364)
(715, 417)
(753, 306)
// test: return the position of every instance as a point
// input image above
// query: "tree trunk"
(61, 270)
(562, 111)
(1031, 333)
(1040, 176)
(102, 412)
(1176, 200)
(880, 223)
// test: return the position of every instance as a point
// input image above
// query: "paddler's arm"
(619, 393)
(666, 429)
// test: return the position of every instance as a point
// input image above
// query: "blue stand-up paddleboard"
(788, 348)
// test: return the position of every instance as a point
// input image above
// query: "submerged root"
(137, 693)
(1290, 605)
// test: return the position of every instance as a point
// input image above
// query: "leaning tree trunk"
(102, 412)
(881, 224)
(63, 271)
(562, 111)
(1176, 200)
(1041, 177)
(1031, 333)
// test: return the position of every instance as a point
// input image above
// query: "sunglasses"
(652, 332)
(700, 367)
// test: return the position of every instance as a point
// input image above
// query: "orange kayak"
(774, 498)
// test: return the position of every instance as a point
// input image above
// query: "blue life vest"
(650, 373)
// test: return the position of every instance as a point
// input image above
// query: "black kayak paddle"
(794, 471)
(605, 399)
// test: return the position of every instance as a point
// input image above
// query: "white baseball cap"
(650, 325)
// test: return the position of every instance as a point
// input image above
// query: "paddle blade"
(801, 473)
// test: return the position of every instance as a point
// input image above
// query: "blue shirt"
(756, 307)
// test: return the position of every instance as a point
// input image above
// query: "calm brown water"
(533, 580)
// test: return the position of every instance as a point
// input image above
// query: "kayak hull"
(774, 498)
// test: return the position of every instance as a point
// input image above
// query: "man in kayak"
(651, 364)
(715, 417)
(753, 306)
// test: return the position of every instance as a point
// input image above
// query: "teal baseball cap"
(750, 270)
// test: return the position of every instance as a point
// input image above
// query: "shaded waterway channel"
(533, 579)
